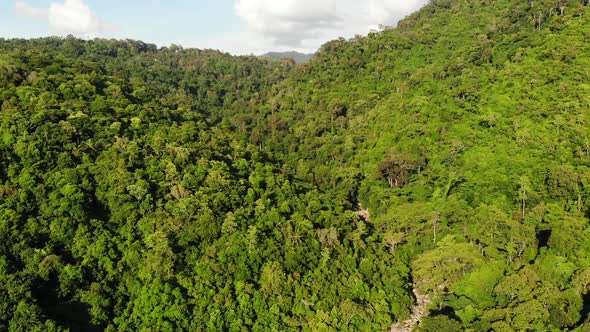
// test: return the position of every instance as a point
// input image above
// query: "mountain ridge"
(296, 56)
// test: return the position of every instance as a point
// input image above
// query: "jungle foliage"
(166, 189)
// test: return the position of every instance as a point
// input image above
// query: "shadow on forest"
(585, 313)
(444, 311)
(70, 314)
(543, 238)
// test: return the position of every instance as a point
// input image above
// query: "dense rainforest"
(445, 160)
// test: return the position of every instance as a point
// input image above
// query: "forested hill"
(175, 189)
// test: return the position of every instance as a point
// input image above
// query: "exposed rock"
(419, 311)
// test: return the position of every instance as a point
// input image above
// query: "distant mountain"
(298, 57)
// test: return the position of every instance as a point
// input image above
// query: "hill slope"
(463, 131)
(184, 189)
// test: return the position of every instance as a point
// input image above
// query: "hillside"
(467, 145)
(445, 161)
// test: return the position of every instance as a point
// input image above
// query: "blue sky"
(159, 21)
(237, 26)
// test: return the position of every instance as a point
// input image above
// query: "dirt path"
(419, 311)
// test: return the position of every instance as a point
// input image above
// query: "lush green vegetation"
(169, 189)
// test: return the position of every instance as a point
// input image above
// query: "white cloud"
(269, 25)
(306, 24)
(28, 10)
(67, 17)
(239, 43)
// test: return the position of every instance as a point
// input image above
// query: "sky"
(235, 26)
